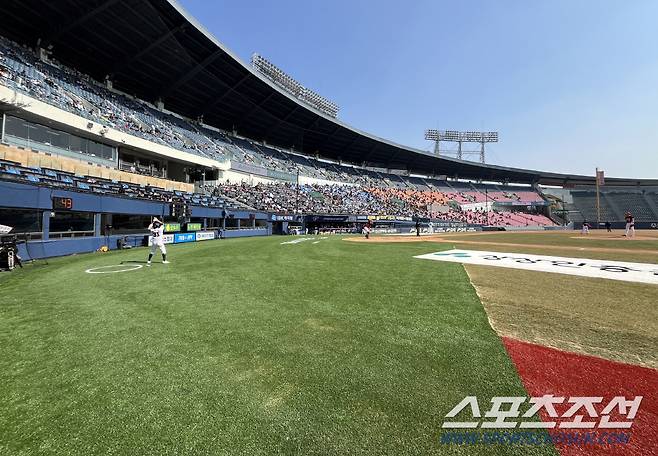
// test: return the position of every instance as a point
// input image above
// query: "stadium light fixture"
(290, 85)
(460, 137)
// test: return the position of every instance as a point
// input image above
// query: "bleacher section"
(384, 200)
(15, 172)
(34, 159)
(615, 203)
(71, 91)
(373, 191)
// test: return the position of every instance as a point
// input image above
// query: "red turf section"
(545, 370)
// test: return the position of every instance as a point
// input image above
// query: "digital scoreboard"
(62, 203)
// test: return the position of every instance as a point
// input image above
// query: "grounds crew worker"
(157, 240)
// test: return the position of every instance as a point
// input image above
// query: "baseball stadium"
(199, 257)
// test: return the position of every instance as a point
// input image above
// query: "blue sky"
(569, 84)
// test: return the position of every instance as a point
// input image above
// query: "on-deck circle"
(101, 269)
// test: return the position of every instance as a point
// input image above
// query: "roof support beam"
(329, 136)
(255, 107)
(215, 101)
(153, 45)
(371, 151)
(79, 21)
(282, 121)
(351, 143)
(315, 122)
(390, 159)
(170, 87)
(299, 133)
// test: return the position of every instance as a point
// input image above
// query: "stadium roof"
(154, 50)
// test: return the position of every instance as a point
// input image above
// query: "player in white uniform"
(630, 225)
(157, 240)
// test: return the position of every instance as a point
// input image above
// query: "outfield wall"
(35, 250)
(16, 195)
(619, 225)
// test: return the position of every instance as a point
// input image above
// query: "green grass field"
(246, 346)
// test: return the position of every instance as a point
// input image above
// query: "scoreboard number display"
(62, 203)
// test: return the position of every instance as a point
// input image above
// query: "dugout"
(329, 223)
(286, 223)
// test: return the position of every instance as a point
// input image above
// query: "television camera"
(9, 257)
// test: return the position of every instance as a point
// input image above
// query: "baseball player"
(630, 225)
(366, 230)
(157, 240)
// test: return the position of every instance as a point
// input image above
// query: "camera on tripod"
(9, 257)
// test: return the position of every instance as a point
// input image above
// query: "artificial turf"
(246, 346)
(582, 375)
(608, 318)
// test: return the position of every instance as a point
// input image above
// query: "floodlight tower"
(289, 84)
(461, 137)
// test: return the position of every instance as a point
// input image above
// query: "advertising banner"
(193, 227)
(205, 235)
(167, 239)
(184, 237)
(401, 218)
(605, 269)
(282, 217)
(327, 218)
(171, 227)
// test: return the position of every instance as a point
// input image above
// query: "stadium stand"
(249, 174)
(57, 178)
(36, 159)
(383, 193)
(615, 203)
(135, 139)
(346, 199)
